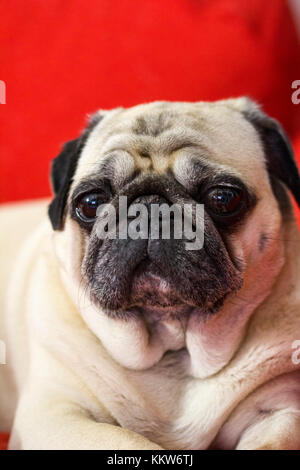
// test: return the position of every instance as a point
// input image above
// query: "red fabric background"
(61, 59)
(3, 441)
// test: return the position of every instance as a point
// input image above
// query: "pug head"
(227, 156)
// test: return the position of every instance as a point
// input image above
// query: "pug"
(139, 343)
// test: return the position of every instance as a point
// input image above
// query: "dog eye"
(86, 207)
(224, 201)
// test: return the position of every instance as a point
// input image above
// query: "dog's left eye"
(87, 205)
(224, 201)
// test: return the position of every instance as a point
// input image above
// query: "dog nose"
(148, 201)
(158, 221)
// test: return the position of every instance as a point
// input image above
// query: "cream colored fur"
(76, 379)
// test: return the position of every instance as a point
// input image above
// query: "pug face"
(227, 156)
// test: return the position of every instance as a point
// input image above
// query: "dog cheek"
(108, 268)
(255, 238)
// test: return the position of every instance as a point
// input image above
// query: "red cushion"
(3, 441)
(61, 60)
(296, 145)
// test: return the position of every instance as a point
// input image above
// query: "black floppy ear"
(279, 154)
(63, 169)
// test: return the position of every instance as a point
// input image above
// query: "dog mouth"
(124, 275)
(149, 287)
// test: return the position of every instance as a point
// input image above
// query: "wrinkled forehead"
(176, 137)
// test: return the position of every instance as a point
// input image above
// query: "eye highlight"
(225, 201)
(87, 205)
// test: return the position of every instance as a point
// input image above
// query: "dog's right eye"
(87, 205)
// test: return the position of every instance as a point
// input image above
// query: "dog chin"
(155, 298)
(152, 290)
(150, 293)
